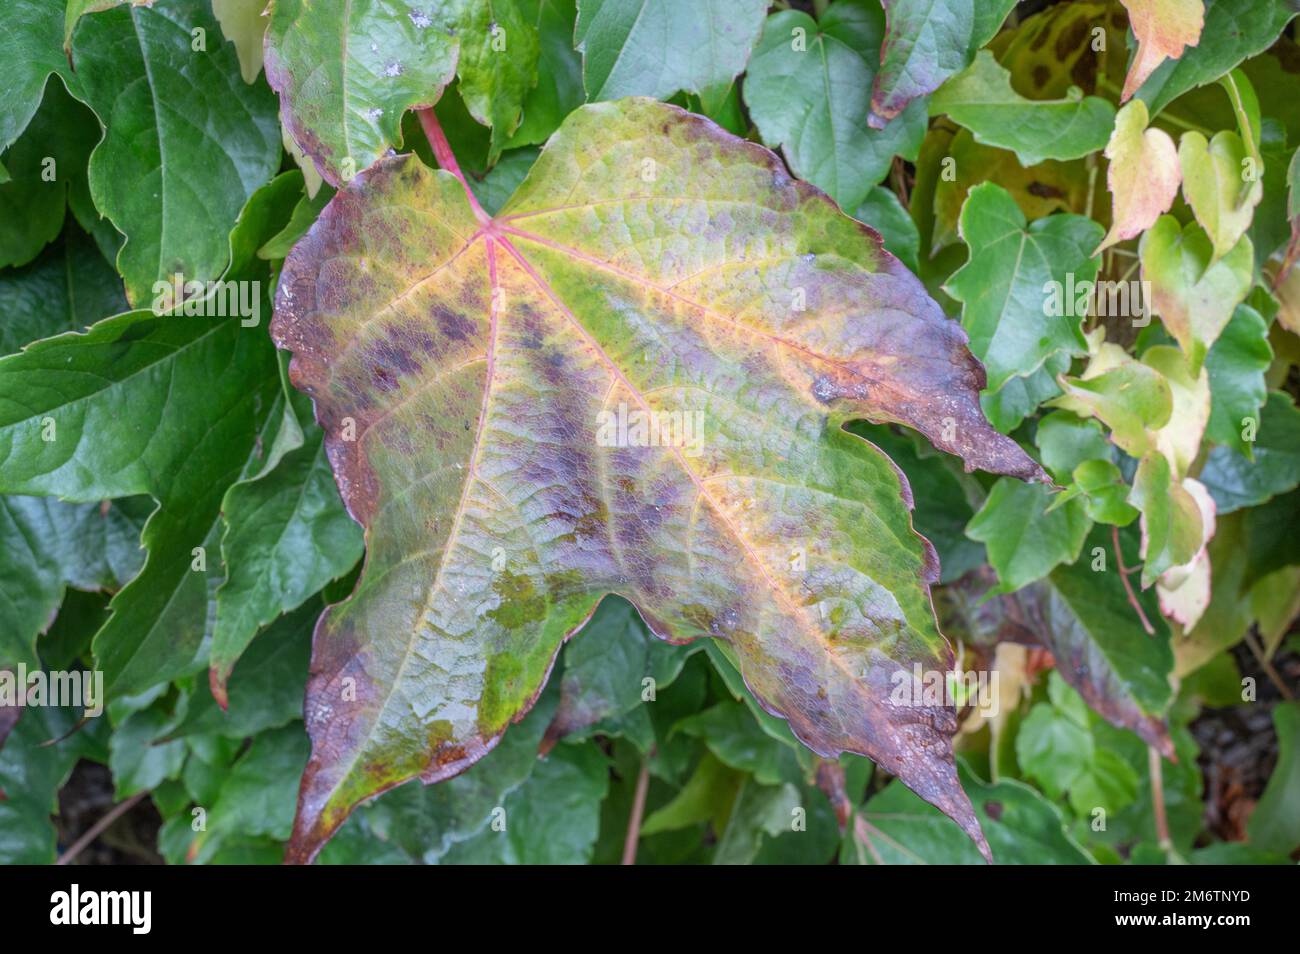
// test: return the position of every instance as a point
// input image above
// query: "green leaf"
(707, 796)
(1053, 749)
(1025, 538)
(1234, 30)
(737, 740)
(551, 819)
(67, 288)
(1235, 482)
(346, 72)
(503, 179)
(926, 42)
(982, 100)
(1130, 397)
(1269, 542)
(606, 668)
(31, 774)
(172, 184)
(1083, 616)
(1105, 492)
(1213, 181)
(807, 90)
(1017, 289)
(257, 796)
(559, 71)
(760, 812)
(1194, 294)
(1056, 746)
(46, 165)
(1236, 365)
(49, 545)
(137, 758)
(498, 65)
(1039, 190)
(883, 211)
(537, 322)
(285, 536)
(1066, 440)
(304, 216)
(1008, 406)
(1275, 823)
(266, 688)
(1023, 827)
(31, 49)
(658, 47)
(1172, 530)
(98, 415)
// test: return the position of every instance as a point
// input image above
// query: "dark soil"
(1239, 746)
(88, 796)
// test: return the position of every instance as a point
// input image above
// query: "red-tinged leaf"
(1143, 175)
(927, 41)
(1163, 28)
(472, 374)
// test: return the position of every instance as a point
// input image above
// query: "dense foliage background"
(171, 518)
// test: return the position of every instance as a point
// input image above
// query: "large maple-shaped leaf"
(471, 375)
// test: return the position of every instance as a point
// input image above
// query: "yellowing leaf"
(631, 380)
(1214, 174)
(1288, 298)
(1131, 398)
(1163, 28)
(243, 24)
(1184, 591)
(1180, 438)
(1172, 527)
(311, 178)
(1143, 175)
(1194, 295)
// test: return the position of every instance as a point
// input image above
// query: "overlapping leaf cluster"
(1089, 221)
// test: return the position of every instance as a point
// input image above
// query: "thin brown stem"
(1158, 798)
(638, 810)
(1266, 664)
(898, 176)
(1288, 258)
(1128, 587)
(95, 830)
